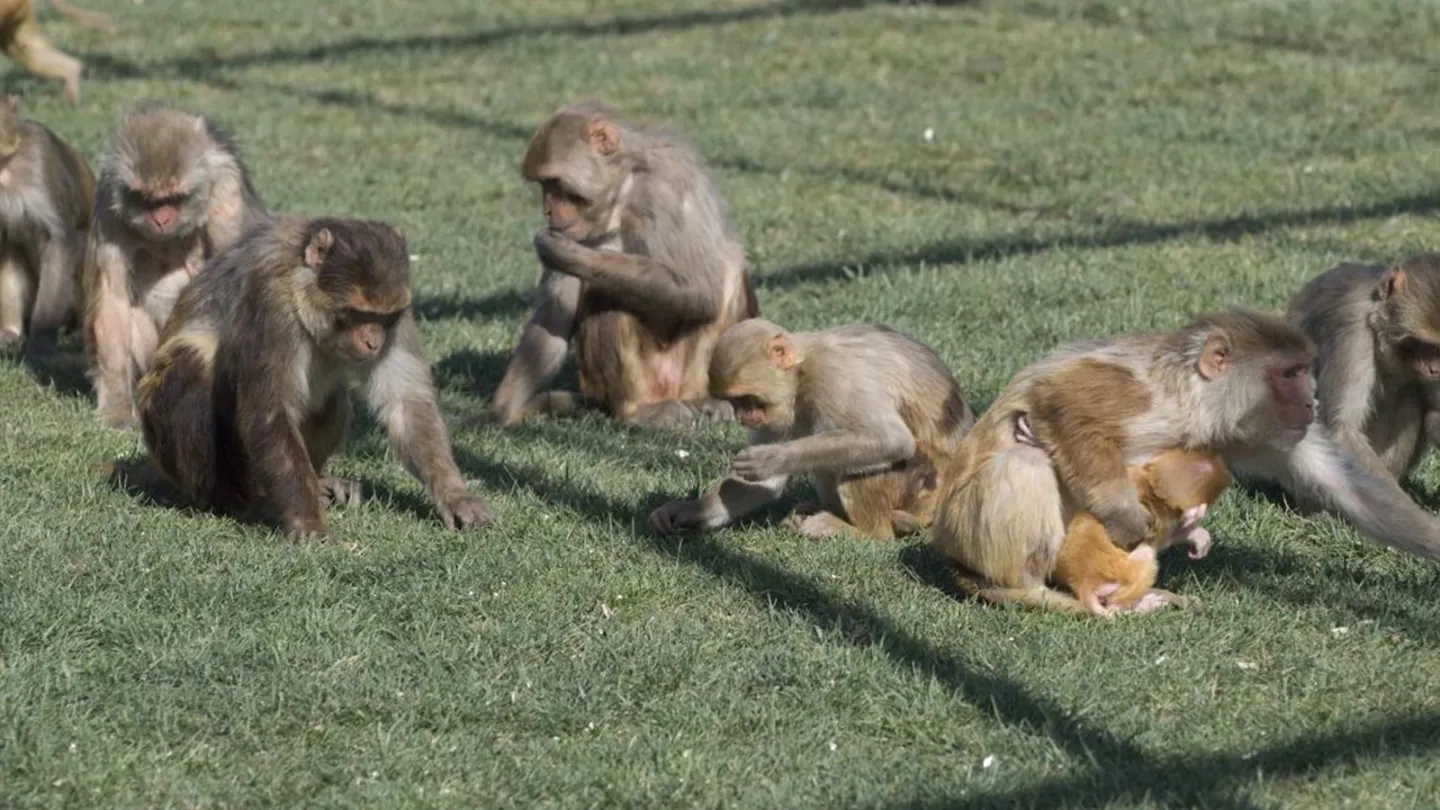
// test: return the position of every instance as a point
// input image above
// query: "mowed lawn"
(991, 178)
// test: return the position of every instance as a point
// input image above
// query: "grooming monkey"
(1237, 383)
(173, 192)
(46, 196)
(871, 413)
(23, 41)
(248, 395)
(1177, 488)
(642, 270)
(1377, 365)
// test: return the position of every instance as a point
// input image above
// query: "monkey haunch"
(1236, 383)
(247, 398)
(1377, 367)
(641, 268)
(46, 194)
(873, 414)
(172, 193)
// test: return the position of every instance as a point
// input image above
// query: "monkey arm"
(842, 450)
(641, 282)
(722, 504)
(541, 350)
(402, 395)
(225, 215)
(108, 331)
(1319, 468)
(55, 297)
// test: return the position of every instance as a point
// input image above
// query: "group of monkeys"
(229, 333)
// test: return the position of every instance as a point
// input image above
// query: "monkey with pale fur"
(871, 413)
(46, 196)
(248, 396)
(1236, 383)
(172, 193)
(642, 272)
(1377, 366)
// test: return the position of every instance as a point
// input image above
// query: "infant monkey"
(1177, 487)
(874, 415)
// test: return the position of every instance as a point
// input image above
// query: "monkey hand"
(464, 511)
(1200, 541)
(561, 253)
(119, 415)
(759, 462)
(676, 517)
(1128, 523)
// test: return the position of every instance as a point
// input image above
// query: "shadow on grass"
(471, 371)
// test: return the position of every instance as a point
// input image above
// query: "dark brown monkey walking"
(642, 270)
(248, 395)
(874, 415)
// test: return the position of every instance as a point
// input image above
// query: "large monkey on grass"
(642, 269)
(1237, 383)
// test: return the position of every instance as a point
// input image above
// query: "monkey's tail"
(1040, 596)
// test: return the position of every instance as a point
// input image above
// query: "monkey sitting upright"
(46, 194)
(247, 397)
(874, 415)
(1377, 363)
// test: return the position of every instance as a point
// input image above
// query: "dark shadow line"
(1169, 778)
(191, 65)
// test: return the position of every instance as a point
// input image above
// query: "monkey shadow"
(62, 367)
(494, 305)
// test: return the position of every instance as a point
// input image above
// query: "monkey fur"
(248, 395)
(873, 414)
(23, 41)
(642, 272)
(172, 192)
(1236, 383)
(46, 196)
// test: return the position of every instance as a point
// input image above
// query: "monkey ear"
(1215, 357)
(781, 351)
(603, 135)
(318, 248)
(1392, 282)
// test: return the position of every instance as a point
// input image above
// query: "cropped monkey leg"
(177, 418)
(16, 289)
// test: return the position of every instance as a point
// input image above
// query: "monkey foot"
(1157, 598)
(465, 512)
(818, 526)
(341, 491)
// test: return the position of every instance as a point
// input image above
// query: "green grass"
(1096, 167)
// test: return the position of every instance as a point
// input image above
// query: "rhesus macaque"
(1237, 383)
(1177, 487)
(23, 41)
(248, 395)
(173, 192)
(641, 269)
(46, 196)
(1377, 364)
(871, 413)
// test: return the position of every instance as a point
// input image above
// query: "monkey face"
(361, 337)
(750, 411)
(1291, 396)
(568, 212)
(162, 214)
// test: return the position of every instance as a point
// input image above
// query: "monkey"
(642, 271)
(172, 193)
(46, 195)
(248, 398)
(1236, 382)
(873, 414)
(1177, 488)
(1377, 368)
(23, 41)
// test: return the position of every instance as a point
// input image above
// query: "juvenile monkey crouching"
(874, 415)
(248, 396)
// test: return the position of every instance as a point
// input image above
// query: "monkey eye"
(1297, 371)
(747, 402)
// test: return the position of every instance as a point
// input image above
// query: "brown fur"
(1378, 360)
(642, 272)
(1170, 485)
(23, 41)
(1235, 383)
(247, 398)
(147, 242)
(872, 414)
(46, 194)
